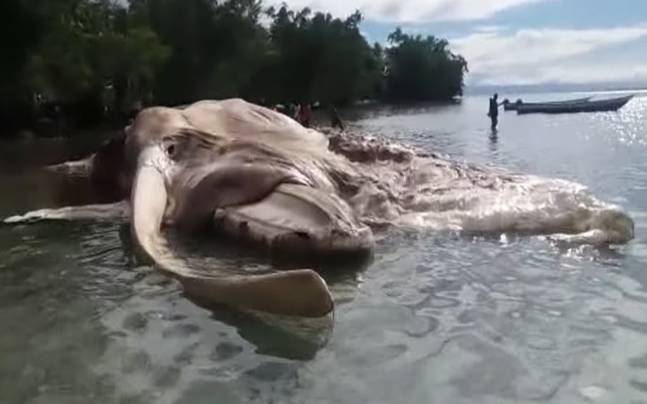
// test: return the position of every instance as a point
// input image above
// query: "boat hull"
(513, 106)
(613, 104)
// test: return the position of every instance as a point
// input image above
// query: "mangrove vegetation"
(94, 60)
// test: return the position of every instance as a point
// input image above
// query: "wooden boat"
(512, 106)
(611, 104)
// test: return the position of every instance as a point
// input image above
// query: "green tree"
(317, 57)
(215, 48)
(22, 28)
(97, 56)
(90, 50)
(422, 68)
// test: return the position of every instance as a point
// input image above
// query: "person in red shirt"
(304, 115)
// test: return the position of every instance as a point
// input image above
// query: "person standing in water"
(493, 111)
(335, 120)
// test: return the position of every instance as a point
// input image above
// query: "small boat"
(513, 106)
(611, 104)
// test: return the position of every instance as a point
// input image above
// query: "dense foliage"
(98, 58)
(423, 68)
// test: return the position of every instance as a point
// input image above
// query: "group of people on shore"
(302, 113)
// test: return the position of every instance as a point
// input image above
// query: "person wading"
(493, 111)
(335, 120)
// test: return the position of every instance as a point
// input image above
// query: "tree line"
(92, 59)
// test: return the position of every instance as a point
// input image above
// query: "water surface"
(435, 318)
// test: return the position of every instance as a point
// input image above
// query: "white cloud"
(408, 11)
(488, 28)
(532, 56)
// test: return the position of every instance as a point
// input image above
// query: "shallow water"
(434, 318)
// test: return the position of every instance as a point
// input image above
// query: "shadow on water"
(493, 138)
(287, 338)
(273, 335)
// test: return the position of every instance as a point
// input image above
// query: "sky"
(519, 42)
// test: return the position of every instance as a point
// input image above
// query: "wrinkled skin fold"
(258, 176)
(308, 297)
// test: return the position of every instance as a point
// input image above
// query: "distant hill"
(553, 88)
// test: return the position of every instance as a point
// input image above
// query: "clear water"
(435, 318)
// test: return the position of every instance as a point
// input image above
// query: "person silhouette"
(493, 111)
